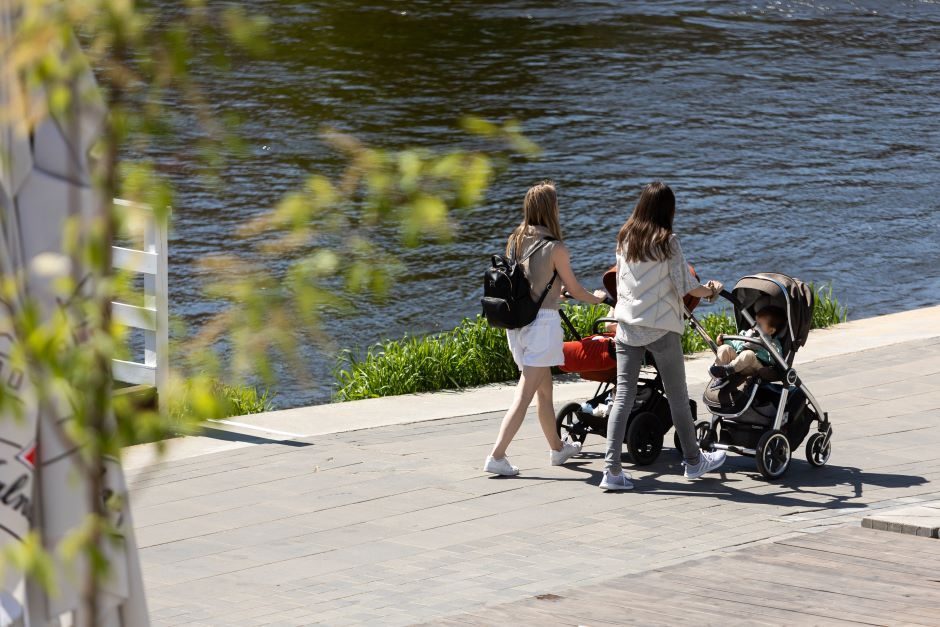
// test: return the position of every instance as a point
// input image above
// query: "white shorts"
(539, 343)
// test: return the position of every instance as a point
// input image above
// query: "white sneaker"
(500, 467)
(709, 460)
(616, 482)
(568, 450)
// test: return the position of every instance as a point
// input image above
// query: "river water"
(799, 136)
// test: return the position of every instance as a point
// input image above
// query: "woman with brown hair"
(652, 278)
(537, 346)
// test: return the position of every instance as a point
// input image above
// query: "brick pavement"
(397, 524)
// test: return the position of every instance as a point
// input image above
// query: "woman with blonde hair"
(652, 278)
(537, 346)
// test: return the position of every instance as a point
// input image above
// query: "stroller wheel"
(816, 454)
(773, 454)
(645, 438)
(703, 434)
(569, 426)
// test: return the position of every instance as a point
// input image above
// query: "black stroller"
(767, 416)
(649, 420)
(593, 359)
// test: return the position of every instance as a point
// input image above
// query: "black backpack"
(507, 301)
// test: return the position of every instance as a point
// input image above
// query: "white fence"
(153, 318)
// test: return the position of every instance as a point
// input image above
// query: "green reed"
(583, 317)
(241, 400)
(827, 311)
(474, 353)
(230, 400)
(714, 323)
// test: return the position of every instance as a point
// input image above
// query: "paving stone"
(921, 520)
(396, 525)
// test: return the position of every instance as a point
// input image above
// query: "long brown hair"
(645, 235)
(540, 208)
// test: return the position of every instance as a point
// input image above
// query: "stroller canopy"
(757, 291)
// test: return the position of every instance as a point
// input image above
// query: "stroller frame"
(649, 420)
(773, 449)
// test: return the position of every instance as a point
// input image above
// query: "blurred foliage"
(331, 232)
(208, 398)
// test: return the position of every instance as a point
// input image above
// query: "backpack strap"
(535, 247)
(574, 332)
(548, 288)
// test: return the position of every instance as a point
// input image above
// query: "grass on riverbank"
(827, 311)
(195, 397)
(472, 354)
(226, 399)
(475, 353)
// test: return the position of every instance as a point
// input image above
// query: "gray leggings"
(667, 351)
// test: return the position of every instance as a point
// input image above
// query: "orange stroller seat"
(592, 357)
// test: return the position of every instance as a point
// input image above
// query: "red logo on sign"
(27, 456)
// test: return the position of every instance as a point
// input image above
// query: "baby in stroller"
(734, 356)
(768, 414)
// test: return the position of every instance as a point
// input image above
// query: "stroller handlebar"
(597, 323)
(728, 296)
(608, 300)
(745, 338)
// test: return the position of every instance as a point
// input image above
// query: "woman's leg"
(529, 382)
(546, 412)
(629, 360)
(671, 365)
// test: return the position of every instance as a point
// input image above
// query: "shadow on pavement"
(580, 466)
(832, 487)
(839, 484)
(233, 436)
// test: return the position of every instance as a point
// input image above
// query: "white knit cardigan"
(646, 295)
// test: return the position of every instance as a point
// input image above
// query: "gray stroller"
(768, 415)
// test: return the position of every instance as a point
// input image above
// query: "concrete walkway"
(396, 524)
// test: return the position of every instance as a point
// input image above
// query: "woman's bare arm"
(702, 291)
(562, 262)
(709, 290)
